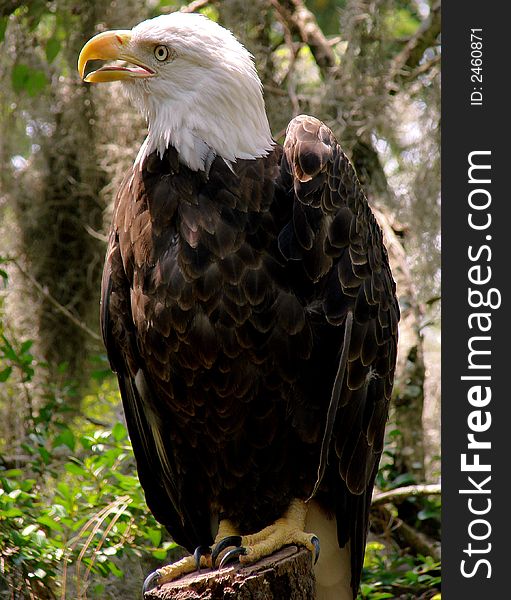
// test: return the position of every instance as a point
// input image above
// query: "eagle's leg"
(288, 530)
(227, 537)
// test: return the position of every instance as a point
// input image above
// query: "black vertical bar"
(476, 128)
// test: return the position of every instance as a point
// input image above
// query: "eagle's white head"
(194, 82)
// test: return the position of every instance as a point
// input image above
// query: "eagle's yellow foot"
(202, 557)
(289, 530)
(188, 564)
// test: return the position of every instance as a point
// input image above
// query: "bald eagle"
(248, 310)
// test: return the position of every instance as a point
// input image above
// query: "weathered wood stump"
(286, 575)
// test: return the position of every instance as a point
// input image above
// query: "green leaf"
(8, 350)
(12, 473)
(155, 536)
(36, 82)
(3, 27)
(52, 49)
(75, 469)
(119, 432)
(50, 523)
(29, 529)
(27, 484)
(64, 490)
(25, 347)
(45, 455)
(168, 545)
(12, 513)
(99, 589)
(65, 438)
(114, 569)
(86, 442)
(5, 374)
(159, 554)
(19, 77)
(100, 374)
(411, 576)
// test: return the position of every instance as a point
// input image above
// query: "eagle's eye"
(161, 53)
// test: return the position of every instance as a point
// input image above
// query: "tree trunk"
(287, 574)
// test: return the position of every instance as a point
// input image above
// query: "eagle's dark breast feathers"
(224, 304)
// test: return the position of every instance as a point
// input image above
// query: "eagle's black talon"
(226, 542)
(231, 556)
(200, 551)
(151, 582)
(315, 542)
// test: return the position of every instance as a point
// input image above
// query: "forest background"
(73, 521)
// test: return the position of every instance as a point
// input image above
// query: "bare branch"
(410, 56)
(408, 536)
(425, 67)
(301, 21)
(419, 541)
(195, 5)
(95, 234)
(400, 494)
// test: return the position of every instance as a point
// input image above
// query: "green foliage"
(75, 507)
(52, 49)
(3, 27)
(391, 571)
(401, 23)
(31, 73)
(15, 356)
(82, 511)
(27, 79)
(393, 575)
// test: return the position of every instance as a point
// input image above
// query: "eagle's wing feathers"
(335, 237)
(148, 431)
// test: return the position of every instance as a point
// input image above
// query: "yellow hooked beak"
(111, 45)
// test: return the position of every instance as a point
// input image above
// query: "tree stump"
(286, 575)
